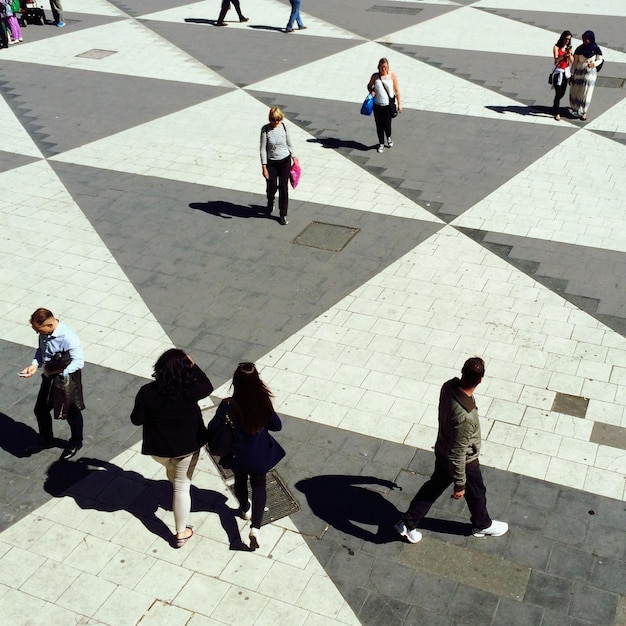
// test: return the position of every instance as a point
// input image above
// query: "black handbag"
(392, 100)
(220, 435)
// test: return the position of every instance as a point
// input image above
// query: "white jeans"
(179, 472)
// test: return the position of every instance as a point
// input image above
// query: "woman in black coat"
(255, 451)
(173, 429)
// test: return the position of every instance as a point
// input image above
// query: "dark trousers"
(559, 92)
(382, 117)
(278, 178)
(475, 495)
(44, 418)
(259, 495)
(226, 6)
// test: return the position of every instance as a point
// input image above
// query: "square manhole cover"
(396, 10)
(570, 405)
(96, 54)
(610, 82)
(326, 236)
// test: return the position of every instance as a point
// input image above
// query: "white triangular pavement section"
(261, 13)
(613, 120)
(574, 7)
(138, 52)
(374, 363)
(14, 136)
(582, 203)
(210, 589)
(51, 256)
(422, 86)
(201, 145)
(478, 30)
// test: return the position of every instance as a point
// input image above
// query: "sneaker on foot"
(247, 514)
(390, 143)
(283, 220)
(497, 529)
(221, 24)
(60, 24)
(412, 536)
(381, 148)
(244, 19)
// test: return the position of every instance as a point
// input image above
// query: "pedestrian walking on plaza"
(563, 57)
(57, 13)
(277, 158)
(225, 8)
(384, 87)
(255, 452)
(11, 9)
(587, 63)
(456, 458)
(295, 17)
(61, 355)
(173, 429)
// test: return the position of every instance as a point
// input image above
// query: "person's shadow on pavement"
(344, 502)
(103, 486)
(228, 210)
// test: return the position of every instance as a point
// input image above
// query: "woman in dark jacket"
(173, 429)
(255, 451)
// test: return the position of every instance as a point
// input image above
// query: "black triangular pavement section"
(526, 81)
(65, 104)
(74, 22)
(619, 137)
(225, 282)
(135, 8)
(374, 19)
(592, 279)
(240, 55)
(446, 180)
(11, 160)
(609, 29)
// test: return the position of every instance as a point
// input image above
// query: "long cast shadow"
(103, 486)
(334, 143)
(228, 210)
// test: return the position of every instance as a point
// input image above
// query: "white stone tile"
(92, 554)
(127, 568)
(583, 452)
(496, 454)
(201, 594)
(164, 614)
(278, 612)
(573, 427)
(17, 566)
(239, 605)
(291, 549)
(163, 581)
(50, 581)
(529, 463)
(124, 606)
(18, 608)
(542, 442)
(208, 557)
(246, 570)
(86, 594)
(568, 473)
(103, 524)
(604, 483)
(57, 542)
(321, 587)
(606, 412)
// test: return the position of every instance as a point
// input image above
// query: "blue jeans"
(295, 14)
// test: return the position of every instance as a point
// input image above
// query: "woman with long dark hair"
(587, 62)
(563, 57)
(255, 451)
(173, 429)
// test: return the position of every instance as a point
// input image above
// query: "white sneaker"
(247, 515)
(497, 529)
(390, 143)
(381, 147)
(412, 536)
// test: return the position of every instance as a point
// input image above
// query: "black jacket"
(172, 427)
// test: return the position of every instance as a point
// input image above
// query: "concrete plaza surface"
(131, 205)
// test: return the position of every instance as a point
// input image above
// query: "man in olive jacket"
(456, 458)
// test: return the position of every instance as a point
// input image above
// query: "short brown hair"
(472, 372)
(40, 316)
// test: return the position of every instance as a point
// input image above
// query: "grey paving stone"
(430, 592)
(529, 548)
(417, 615)
(552, 618)
(472, 607)
(550, 592)
(609, 574)
(608, 435)
(571, 562)
(513, 613)
(467, 566)
(390, 579)
(382, 611)
(594, 605)
(526, 517)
